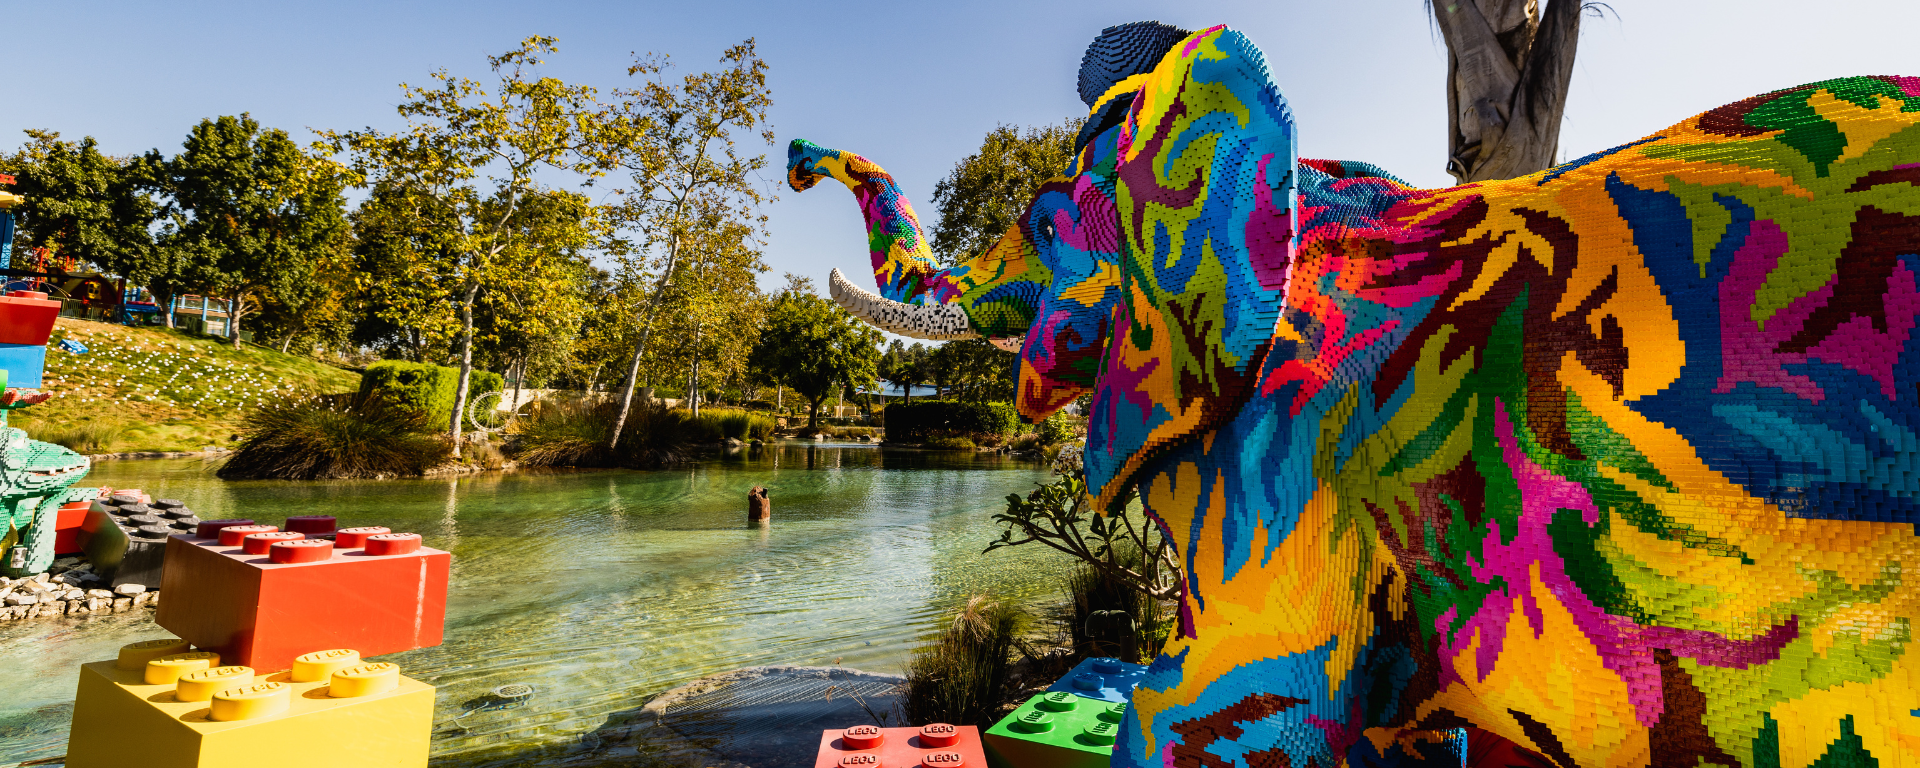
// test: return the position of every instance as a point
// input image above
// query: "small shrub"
(1026, 442)
(921, 420)
(1108, 617)
(424, 389)
(1057, 429)
(87, 437)
(951, 444)
(575, 434)
(855, 432)
(332, 437)
(961, 675)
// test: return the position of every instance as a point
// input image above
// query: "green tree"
(256, 211)
(905, 366)
(984, 194)
(692, 182)
(467, 161)
(85, 204)
(817, 348)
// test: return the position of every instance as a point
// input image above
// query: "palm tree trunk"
(1508, 67)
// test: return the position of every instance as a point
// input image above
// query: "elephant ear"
(1205, 187)
(1118, 53)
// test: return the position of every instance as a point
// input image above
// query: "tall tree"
(984, 194)
(258, 209)
(694, 175)
(1508, 67)
(468, 158)
(85, 204)
(817, 348)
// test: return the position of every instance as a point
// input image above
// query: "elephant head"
(1149, 274)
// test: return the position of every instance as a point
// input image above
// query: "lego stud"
(355, 538)
(862, 737)
(232, 535)
(864, 760)
(1058, 701)
(1108, 666)
(167, 670)
(939, 735)
(1082, 682)
(258, 543)
(1114, 713)
(311, 523)
(136, 655)
(320, 665)
(392, 543)
(210, 529)
(1033, 722)
(300, 551)
(1100, 734)
(364, 680)
(203, 684)
(943, 760)
(249, 702)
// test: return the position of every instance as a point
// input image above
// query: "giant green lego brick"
(1055, 730)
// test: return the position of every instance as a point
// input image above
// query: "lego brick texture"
(1109, 680)
(263, 615)
(1617, 463)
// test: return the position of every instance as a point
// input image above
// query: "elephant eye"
(1046, 229)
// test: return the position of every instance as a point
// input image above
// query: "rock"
(22, 599)
(95, 604)
(66, 562)
(734, 442)
(759, 505)
(73, 594)
(35, 587)
(154, 595)
(39, 577)
(11, 612)
(130, 589)
(122, 603)
(144, 598)
(79, 607)
(6, 583)
(100, 593)
(54, 608)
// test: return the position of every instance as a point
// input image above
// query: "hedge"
(921, 420)
(424, 388)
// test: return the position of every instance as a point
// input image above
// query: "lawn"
(156, 389)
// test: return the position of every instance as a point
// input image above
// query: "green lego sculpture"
(1056, 730)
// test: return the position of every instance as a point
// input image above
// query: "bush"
(87, 437)
(574, 434)
(1057, 429)
(855, 432)
(946, 443)
(1109, 617)
(736, 424)
(922, 420)
(332, 437)
(423, 389)
(960, 677)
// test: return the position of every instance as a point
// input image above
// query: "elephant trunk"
(914, 292)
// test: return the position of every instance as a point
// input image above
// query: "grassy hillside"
(154, 389)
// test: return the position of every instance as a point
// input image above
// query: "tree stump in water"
(759, 506)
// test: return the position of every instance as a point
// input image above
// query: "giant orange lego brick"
(262, 614)
(934, 746)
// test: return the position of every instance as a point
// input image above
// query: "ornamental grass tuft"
(961, 676)
(332, 437)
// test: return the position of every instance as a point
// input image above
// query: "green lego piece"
(34, 478)
(1055, 730)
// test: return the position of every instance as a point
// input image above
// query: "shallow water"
(602, 588)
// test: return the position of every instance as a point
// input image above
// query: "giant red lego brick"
(66, 527)
(262, 614)
(933, 746)
(26, 318)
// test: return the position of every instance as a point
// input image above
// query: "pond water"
(603, 588)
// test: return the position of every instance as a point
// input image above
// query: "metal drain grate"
(739, 716)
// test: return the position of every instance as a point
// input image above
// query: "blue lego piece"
(1104, 679)
(73, 346)
(24, 364)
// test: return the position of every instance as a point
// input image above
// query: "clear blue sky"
(912, 85)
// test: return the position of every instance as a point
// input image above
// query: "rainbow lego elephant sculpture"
(1619, 461)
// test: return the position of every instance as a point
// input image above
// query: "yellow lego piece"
(250, 702)
(167, 670)
(320, 665)
(135, 656)
(119, 720)
(202, 685)
(365, 680)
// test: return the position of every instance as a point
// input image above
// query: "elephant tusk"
(939, 322)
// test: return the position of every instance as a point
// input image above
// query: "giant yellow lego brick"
(120, 721)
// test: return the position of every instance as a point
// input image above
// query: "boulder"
(130, 589)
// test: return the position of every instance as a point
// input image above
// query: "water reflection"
(600, 588)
